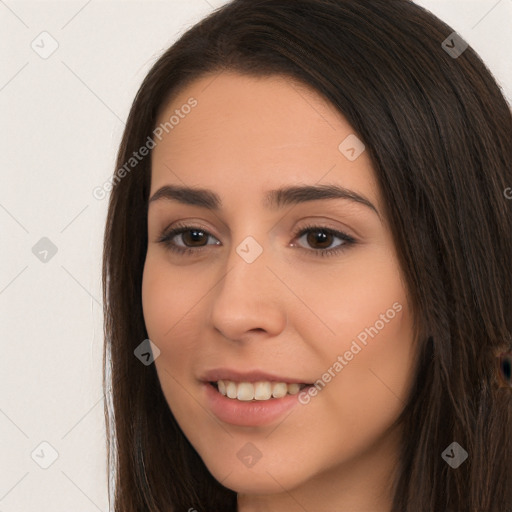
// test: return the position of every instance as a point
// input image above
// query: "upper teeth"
(257, 391)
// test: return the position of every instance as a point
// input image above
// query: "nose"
(249, 298)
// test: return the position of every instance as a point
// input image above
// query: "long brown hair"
(439, 134)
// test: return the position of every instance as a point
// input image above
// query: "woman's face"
(292, 286)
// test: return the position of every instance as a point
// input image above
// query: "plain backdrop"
(69, 72)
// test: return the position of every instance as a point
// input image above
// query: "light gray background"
(62, 118)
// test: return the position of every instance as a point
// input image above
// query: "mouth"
(256, 391)
(250, 399)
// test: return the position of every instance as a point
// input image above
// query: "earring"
(505, 369)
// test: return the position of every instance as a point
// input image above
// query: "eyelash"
(348, 241)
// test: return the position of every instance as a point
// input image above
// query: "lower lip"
(248, 413)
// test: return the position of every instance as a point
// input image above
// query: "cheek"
(366, 346)
(351, 302)
(155, 299)
(360, 398)
(376, 364)
(168, 300)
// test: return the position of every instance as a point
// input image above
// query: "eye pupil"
(196, 236)
(319, 236)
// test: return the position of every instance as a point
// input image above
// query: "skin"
(291, 311)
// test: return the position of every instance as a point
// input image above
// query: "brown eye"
(192, 238)
(320, 237)
(321, 240)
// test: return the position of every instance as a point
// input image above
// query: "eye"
(195, 239)
(193, 235)
(322, 238)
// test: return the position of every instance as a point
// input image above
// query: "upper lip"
(246, 376)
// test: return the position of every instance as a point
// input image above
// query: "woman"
(271, 134)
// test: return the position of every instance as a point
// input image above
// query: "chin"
(256, 480)
(251, 484)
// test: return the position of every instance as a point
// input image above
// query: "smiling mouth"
(252, 391)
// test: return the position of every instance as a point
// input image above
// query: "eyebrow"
(274, 199)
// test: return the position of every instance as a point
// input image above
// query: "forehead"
(255, 133)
